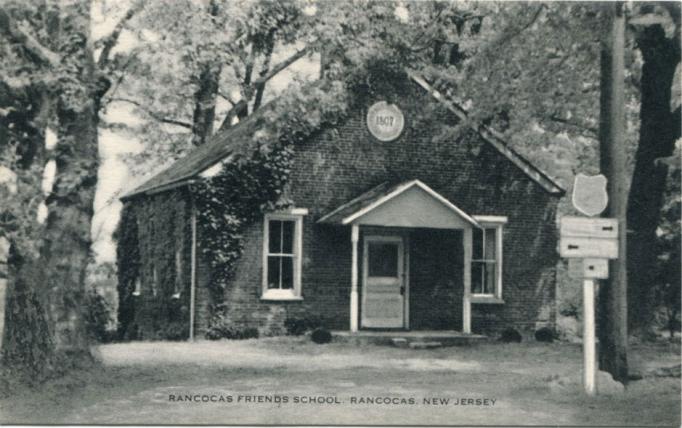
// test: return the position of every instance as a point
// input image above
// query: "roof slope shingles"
(220, 146)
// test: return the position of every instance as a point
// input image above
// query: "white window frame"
(497, 223)
(295, 215)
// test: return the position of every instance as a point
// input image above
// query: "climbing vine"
(253, 181)
(233, 199)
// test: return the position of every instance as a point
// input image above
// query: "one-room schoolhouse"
(390, 225)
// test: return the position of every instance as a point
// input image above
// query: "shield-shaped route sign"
(589, 194)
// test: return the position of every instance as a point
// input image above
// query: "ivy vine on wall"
(253, 183)
(127, 266)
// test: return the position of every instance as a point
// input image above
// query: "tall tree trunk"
(659, 128)
(612, 292)
(66, 250)
(27, 347)
(204, 103)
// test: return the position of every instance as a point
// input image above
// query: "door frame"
(404, 260)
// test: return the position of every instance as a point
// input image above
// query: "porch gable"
(408, 204)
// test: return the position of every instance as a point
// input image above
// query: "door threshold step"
(422, 339)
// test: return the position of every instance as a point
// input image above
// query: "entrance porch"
(411, 262)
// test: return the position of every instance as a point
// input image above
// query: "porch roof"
(410, 203)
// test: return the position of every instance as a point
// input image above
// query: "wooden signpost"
(592, 241)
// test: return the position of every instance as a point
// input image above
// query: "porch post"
(466, 300)
(354, 237)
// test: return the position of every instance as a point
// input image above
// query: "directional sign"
(596, 268)
(584, 247)
(589, 227)
(589, 194)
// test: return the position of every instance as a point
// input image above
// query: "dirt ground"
(293, 381)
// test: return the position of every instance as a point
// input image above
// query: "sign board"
(596, 268)
(589, 227)
(585, 247)
(385, 121)
(589, 194)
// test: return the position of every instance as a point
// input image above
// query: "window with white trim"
(282, 248)
(486, 263)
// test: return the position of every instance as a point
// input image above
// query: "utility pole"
(613, 334)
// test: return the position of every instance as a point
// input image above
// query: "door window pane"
(383, 259)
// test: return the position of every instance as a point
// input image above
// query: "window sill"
(279, 296)
(487, 299)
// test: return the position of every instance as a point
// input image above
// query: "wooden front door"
(383, 296)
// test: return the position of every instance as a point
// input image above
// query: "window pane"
(477, 277)
(478, 243)
(275, 238)
(287, 264)
(383, 259)
(288, 237)
(490, 274)
(273, 271)
(490, 244)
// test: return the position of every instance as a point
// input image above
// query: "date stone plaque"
(385, 121)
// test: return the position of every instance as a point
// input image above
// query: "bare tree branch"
(249, 91)
(153, 115)
(260, 87)
(10, 29)
(109, 42)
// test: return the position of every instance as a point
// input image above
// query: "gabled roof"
(383, 194)
(237, 139)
